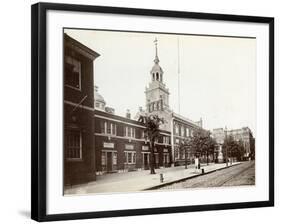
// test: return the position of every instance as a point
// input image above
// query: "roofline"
(78, 44)
(182, 118)
(125, 119)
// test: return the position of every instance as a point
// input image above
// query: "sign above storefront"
(108, 145)
(130, 147)
(145, 148)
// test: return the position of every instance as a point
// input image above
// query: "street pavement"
(141, 180)
(242, 174)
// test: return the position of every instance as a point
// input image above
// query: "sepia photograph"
(157, 111)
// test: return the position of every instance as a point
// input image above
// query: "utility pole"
(226, 147)
(179, 109)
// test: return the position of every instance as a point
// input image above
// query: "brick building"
(243, 134)
(79, 122)
(96, 140)
(120, 145)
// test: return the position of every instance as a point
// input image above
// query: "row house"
(120, 145)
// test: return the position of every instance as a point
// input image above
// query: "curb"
(187, 178)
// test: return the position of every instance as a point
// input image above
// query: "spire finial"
(156, 60)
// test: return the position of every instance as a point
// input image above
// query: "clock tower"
(157, 95)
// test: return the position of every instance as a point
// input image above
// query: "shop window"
(130, 157)
(103, 158)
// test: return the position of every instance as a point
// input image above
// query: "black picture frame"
(39, 108)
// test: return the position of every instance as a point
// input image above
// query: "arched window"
(157, 76)
(161, 77)
(153, 76)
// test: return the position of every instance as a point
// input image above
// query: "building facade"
(120, 145)
(97, 141)
(79, 122)
(243, 134)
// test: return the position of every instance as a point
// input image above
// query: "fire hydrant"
(161, 178)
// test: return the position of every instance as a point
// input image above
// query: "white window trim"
(177, 129)
(126, 157)
(182, 130)
(112, 126)
(114, 164)
(166, 140)
(148, 158)
(168, 157)
(187, 132)
(132, 132)
(112, 151)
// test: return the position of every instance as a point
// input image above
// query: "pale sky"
(217, 74)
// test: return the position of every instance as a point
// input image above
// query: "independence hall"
(96, 140)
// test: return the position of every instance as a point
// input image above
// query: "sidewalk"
(141, 180)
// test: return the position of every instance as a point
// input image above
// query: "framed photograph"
(140, 111)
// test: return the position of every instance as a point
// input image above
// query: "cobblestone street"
(242, 174)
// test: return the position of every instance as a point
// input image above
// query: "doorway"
(166, 159)
(109, 161)
(145, 157)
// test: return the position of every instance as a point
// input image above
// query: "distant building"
(243, 134)
(246, 136)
